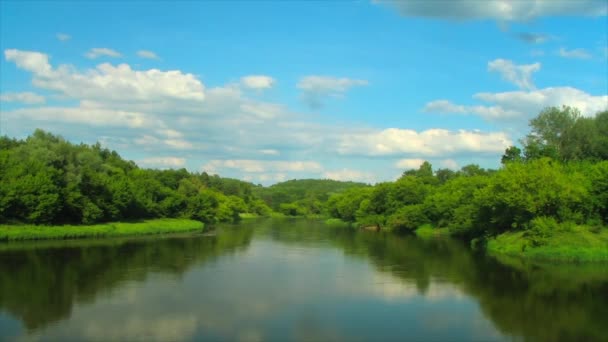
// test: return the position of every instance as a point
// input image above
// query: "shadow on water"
(536, 301)
(41, 282)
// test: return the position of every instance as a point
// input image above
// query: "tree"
(550, 133)
(512, 154)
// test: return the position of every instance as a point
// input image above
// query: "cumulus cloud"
(85, 115)
(315, 89)
(261, 166)
(171, 162)
(98, 52)
(108, 82)
(524, 104)
(147, 54)
(574, 53)
(431, 142)
(63, 37)
(520, 75)
(349, 175)
(409, 163)
(257, 82)
(500, 10)
(25, 97)
(449, 164)
(35, 62)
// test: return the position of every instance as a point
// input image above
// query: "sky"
(267, 91)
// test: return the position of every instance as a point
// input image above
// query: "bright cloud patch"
(349, 175)
(85, 115)
(315, 89)
(257, 82)
(520, 75)
(432, 142)
(574, 53)
(99, 52)
(522, 105)
(172, 162)
(501, 10)
(108, 82)
(409, 164)
(261, 166)
(25, 97)
(147, 54)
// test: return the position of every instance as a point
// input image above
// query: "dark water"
(291, 280)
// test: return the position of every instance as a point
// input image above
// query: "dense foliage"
(303, 197)
(558, 181)
(45, 179)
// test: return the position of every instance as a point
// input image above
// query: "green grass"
(427, 231)
(576, 244)
(158, 226)
(248, 216)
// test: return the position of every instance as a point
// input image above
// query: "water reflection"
(295, 280)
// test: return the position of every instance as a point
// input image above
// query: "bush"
(408, 218)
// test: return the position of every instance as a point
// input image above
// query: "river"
(291, 280)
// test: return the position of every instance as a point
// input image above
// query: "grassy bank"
(338, 224)
(576, 244)
(158, 226)
(427, 231)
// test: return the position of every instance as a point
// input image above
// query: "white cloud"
(266, 177)
(315, 89)
(258, 82)
(151, 142)
(173, 162)
(25, 97)
(520, 75)
(263, 166)
(349, 175)
(107, 82)
(63, 37)
(449, 164)
(431, 142)
(487, 112)
(500, 10)
(147, 54)
(574, 53)
(32, 61)
(530, 103)
(98, 52)
(522, 105)
(409, 164)
(85, 115)
(262, 110)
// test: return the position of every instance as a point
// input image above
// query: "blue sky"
(269, 91)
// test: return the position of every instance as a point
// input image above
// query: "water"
(291, 280)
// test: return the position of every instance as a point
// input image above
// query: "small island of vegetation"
(549, 200)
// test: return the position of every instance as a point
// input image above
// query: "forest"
(556, 184)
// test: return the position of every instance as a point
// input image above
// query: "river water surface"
(282, 280)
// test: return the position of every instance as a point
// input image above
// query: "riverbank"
(147, 227)
(579, 243)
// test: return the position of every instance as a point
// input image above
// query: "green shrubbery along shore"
(158, 226)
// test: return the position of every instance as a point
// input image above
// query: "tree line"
(558, 178)
(45, 179)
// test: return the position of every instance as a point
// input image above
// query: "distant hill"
(297, 189)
